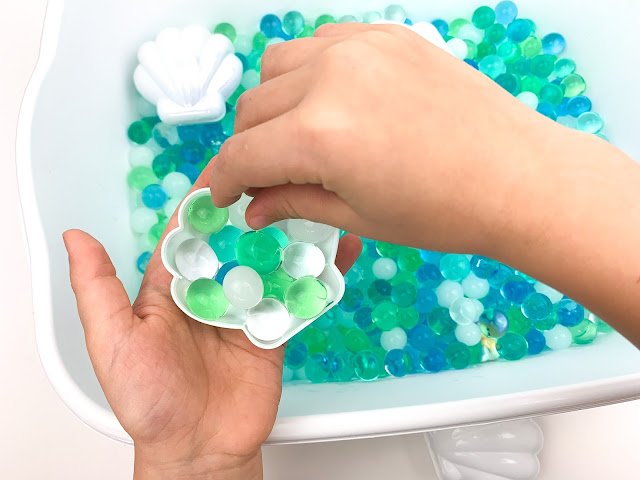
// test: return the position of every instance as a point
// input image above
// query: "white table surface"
(42, 440)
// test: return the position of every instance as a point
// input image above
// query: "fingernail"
(259, 222)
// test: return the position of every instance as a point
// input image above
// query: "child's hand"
(198, 401)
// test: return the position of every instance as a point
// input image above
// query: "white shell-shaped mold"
(235, 317)
(188, 74)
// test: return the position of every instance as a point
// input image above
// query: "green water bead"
(531, 84)
(227, 30)
(205, 217)
(316, 368)
(140, 132)
(276, 284)
(546, 323)
(509, 52)
(472, 49)
(574, 85)
(293, 23)
(476, 351)
(206, 299)
(518, 323)
(306, 298)
(512, 346)
(404, 294)
(155, 232)
(542, 65)
(259, 42)
(315, 339)
(388, 250)
(552, 93)
(385, 315)
(322, 19)
(356, 340)
(367, 365)
(484, 50)
(440, 321)
(520, 66)
(585, 332)
(404, 277)
(483, 17)
(233, 99)
(458, 355)
(260, 251)
(140, 178)
(408, 317)
(564, 67)
(409, 259)
(603, 327)
(307, 31)
(456, 25)
(531, 47)
(495, 34)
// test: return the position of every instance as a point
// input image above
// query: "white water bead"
(394, 338)
(551, 293)
(250, 79)
(475, 287)
(142, 219)
(196, 259)
(243, 44)
(384, 268)
(268, 320)
(171, 206)
(306, 231)
(140, 156)
(243, 287)
(469, 334)
(447, 292)
(479, 308)
(176, 184)
(145, 108)
(558, 338)
(463, 311)
(529, 98)
(458, 48)
(301, 259)
(238, 211)
(471, 32)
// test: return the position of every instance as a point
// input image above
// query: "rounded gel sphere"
(268, 320)
(196, 259)
(243, 287)
(396, 338)
(558, 338)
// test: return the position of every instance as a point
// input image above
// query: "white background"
(42, 440)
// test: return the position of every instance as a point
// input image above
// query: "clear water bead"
(384, 268)
(394, 338)
(590, 122)
(142, 219)
(238, 211)
(243, 287)
(268, 320)
(303, 260)
(306, 231)
(196, 259)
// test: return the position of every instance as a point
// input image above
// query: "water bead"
(471, 34)
(440, 321)
(518, 322)
(270, 26)
(495, 34)
(562, 109)
(474, 287)
(429, 275)
(484, 49)
(394, 13)
(274, 41)
(371, 17)
(306, 298)
(584, 333)
(322, 19)
(483, 267)
(171, 206)
(196, 259)
(569, 313)
(385, 315)
(553, 44)
(143, 261)
(140, 132)
(531, 47)
(408, 317)
(515, 289)
(316, 340)
(434, 360)
(397, 363)
(535, 341)
(176, 184)
(317, 368)
(483, 17)
(492, 65)
(589, 122)
(442, 26)
(224, 243)
(190, 171)
(567, 121)
(518, 30)
(409, 259)
(142, 219)
(542, 65)
(276, 284)
(306, 231)
(430, 257)
(463, 311)
(454, 266)
(351, 300)
(366, 365)
(347, 19)
(564, 67)
(506, 12)
(227, 30)
(447, 292)
(578, 105)
(558, 338)
(259, 42)
(362, 319)
(529, 98)
(224, 269)
(163, 165)
(243, 287)
(243, 44)
(574, 85)
(154, 197)
(155, 232)
(494, 323)
(140, 156)
(295, 354)
(206, 299)
(512, 346)
(404, 294)
(260, 251)
(458, 48)
(547, 109)
(469, 334)
(536, 306)
(384, 268)
(356, 340)
(355, 274)
(387, 250)
(238, 211)
(510, 52)
(341, 366)
(205, 217)
(141, 177)
(302, 260)
(426, 301)
(458, 355)
(510, 82)
(378, 290)
(456, 25)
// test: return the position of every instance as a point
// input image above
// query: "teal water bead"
(509, 52)
(512, 346)
(551, 93)
(558, 338)
(341, 367)
(408, 317)
(484, 49)
(404, 294)
(293, 23)
(322, 19)
(398, 363)
(409, 259)
(163, 165)
(510, 82)
(454, 266)
(278, 234)
(492, 65)
(367, 365)
(574, 85)
(295, 354)
(585, 332)
(564, 67)
(458, 355)
(385, 315)
(140, 178)
(306, 298)
(542, 65)
(140, 132)
(495, 34)
(276, 284)
(224, 243)
(536, 307)
(371, 17)
(589, 122)
(227, 30)
(316, 368)
(440, 321)
(205, 217)
(519, 30)
(260, 251)
(347, 19)
(205, 299)
(395, 13)
(483, 17)
(352, 299)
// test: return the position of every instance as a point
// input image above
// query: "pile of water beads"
(404, 310)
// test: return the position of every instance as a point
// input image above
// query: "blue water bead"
(434, 359)
(243, 59)
(553, 44)
(326, 321)
(351, 300)
(500, 276)
(506, 12)
(569, 313)
(191, 171)
(224, 269)
(224, 243)
(189, 133)
(371, 249)
(374, 336)
(454, 266)
(427, 300)
(362, 319)
(165, 135)
(536, 341)
(192, 152)
(562, 109)
(430, 257)
(578, 105)
(295, 354)
(536, 306)
(416, 361)
(519, 30)
(397, 362)
(211, 135)
(354, 275)
(516, 289)
(421, 337)
(143, 261)
(492, 65)
(494, 299)
(154, 197)
(429, 275)
(408, 21)
(483, 267)
(271, 26)
(383, 287)
(548, 110)
(441, 26)
(293, 23)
